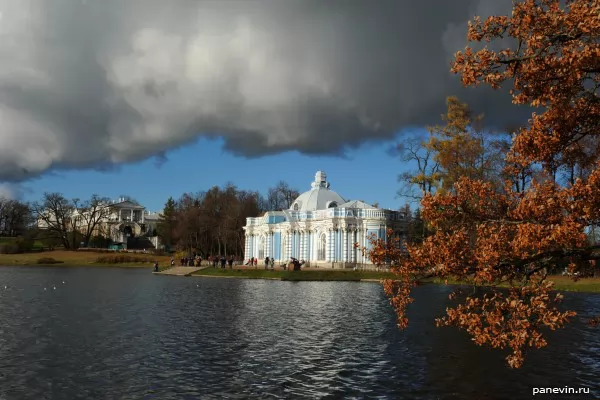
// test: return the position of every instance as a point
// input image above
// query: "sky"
(368, 173)
(152, 98)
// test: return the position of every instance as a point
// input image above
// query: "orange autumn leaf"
(486, 235)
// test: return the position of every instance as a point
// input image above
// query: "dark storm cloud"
(88, 84)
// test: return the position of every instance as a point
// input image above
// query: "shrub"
(93, 250)
(19, 245)
(48, 260)
(158, 252)
(122, 258)
(9, 248)
(25, 244)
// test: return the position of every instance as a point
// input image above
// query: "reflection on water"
(125, 334)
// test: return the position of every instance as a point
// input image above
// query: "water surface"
(126, 334)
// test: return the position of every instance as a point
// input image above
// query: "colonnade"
(304, 245)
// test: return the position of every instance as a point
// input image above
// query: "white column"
(353, 249)
(365, 243)
(358, 251)
(269, 245)
(246, 247)
(330, 246)
(143, 213)
(345, 244)
(131, 213)
(120, 215)
(334, 245)
(303, 245)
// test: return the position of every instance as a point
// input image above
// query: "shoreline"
(284, 280)
(75, 259)
(562, 283)
(70, 265)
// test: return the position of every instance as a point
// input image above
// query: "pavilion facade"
(321, 228)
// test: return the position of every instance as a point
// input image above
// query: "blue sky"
(368, 173)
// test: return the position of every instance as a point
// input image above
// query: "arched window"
(295, 206)
(332, 204)
(322, 247)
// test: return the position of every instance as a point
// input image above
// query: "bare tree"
(56, 215)
(91, 214)
(15, 217)
(281, 196)
(425, 178)
(210, 223)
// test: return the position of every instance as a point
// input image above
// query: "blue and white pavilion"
(320, 227)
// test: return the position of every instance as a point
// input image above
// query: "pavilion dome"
(319, 197)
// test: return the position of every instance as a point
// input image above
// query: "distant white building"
(128, 220)
(321, 228)
(124, 220)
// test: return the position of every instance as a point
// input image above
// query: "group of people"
(194, 260)
(269, 262)
(216, 261)
(220, 260)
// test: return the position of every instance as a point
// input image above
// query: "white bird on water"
(63, 281)
(54, 287)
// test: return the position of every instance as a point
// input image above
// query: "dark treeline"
(15, 217)
(210, 222)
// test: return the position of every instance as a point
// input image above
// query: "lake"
(110, 333)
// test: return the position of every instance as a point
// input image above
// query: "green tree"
(167, 222)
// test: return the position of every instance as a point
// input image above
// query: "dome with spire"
(319, 197)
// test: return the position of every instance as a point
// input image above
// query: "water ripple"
(125, 334)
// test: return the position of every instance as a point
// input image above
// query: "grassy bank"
(8, 240)
(561, 283)
(81, 258)
(304, 275)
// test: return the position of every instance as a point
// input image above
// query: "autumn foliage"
(483, 234)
